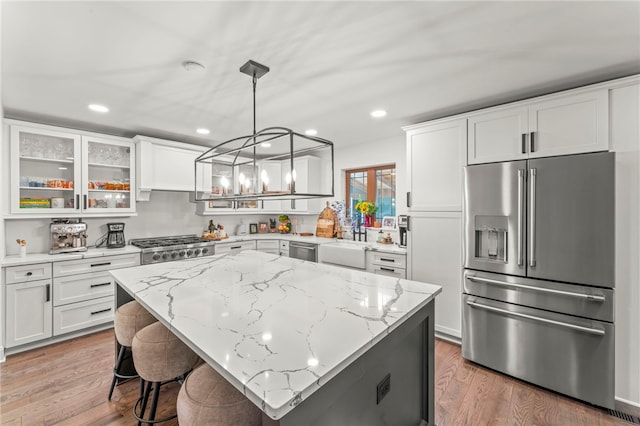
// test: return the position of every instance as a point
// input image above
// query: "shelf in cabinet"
(109, 190)
(111, 166)
(47, 160)
(45, 188)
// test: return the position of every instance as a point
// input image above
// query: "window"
(377, 184)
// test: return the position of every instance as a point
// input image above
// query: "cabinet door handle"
(48, 289)
(408, 198)
(100, 311)
(100, 264)
(100, 285)
(531, 141)
(524, 143)
(85, 201)
(408, 223)
(77, 201)
(29, 273)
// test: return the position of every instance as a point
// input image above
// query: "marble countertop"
(277, 328)
(30, 258)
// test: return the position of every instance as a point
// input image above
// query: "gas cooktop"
(178, 247)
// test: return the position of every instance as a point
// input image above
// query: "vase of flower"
(367, 209)
(368, 222)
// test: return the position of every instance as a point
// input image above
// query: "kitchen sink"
(351, 255)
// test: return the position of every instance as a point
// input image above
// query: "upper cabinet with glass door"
(108, 175)
(59, 173)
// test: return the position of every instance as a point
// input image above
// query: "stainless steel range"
(178, 247)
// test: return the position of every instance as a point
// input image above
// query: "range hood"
(262, 166)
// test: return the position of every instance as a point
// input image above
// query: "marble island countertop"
(277, 328)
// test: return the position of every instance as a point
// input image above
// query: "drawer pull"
(384, 259)
(29, 273)
(387, 269)
(590, 330)
(100, 311)
(235, 247)
(100, 264)
(100, 285)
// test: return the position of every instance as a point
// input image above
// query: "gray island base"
(309, 344)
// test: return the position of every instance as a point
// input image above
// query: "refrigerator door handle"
(596, 331)
(532, 217)
(590, 297)
(520, 241)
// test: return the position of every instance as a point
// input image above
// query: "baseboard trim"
(2, 357)
(448, 338)
(629, 407)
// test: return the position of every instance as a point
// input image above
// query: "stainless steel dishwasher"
(304, 251)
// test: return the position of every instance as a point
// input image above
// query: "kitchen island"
(307, 343)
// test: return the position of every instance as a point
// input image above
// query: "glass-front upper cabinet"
(106, 172)
(57, 173)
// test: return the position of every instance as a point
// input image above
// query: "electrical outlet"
(383, 388)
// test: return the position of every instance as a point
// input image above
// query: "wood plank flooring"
(67, 384)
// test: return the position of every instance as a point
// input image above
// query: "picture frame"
(389, 222)
(263, 227)
(253, 228)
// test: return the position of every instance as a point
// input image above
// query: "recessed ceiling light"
(192, 66)
(311, 132)
(378, 113)
(98, 108)
(265, 145)
(203, 131)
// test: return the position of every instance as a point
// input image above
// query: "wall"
(167, 213)
(374, 154)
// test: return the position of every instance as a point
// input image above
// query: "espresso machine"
(68, 235)
(115, 235)
(403, 225)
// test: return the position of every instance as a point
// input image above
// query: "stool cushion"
(130, 318)
(207, 398)
(159, 355)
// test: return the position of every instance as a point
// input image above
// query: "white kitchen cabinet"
(233, 247)
(82, 315)
(28, 312)
(284, 248)
(268, 246)
(59, 172)
(625, 142)
(168, 166)
(559, 124)
(306, 177)
(272, 172)
(435, 157)
(435, 257)
(389, 264)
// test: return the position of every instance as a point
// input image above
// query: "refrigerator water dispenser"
(491, 238)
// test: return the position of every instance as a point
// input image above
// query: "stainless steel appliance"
(115, 235)
(403, 225)
(67, 235)
(166, 249)
(539, 272)
(304, 251)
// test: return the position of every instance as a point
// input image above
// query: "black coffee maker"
(115, 235)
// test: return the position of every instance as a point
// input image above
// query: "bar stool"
(207, 398)
(160, 358)
(129, 318)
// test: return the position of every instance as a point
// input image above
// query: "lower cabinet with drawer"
(389, 264)
(84, 291)
(236, 246)
(268, 246)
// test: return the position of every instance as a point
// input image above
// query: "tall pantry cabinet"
(436, 154)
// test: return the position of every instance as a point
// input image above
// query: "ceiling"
(332, 63)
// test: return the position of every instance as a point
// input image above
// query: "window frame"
(371, 182)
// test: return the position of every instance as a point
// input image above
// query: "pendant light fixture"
(273, 163)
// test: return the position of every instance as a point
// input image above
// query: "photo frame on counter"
(253, 228)
(389, 222)
(263, 228)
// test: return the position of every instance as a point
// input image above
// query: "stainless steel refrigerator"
(539, 272)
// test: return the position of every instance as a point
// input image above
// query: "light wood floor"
(67, 384)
